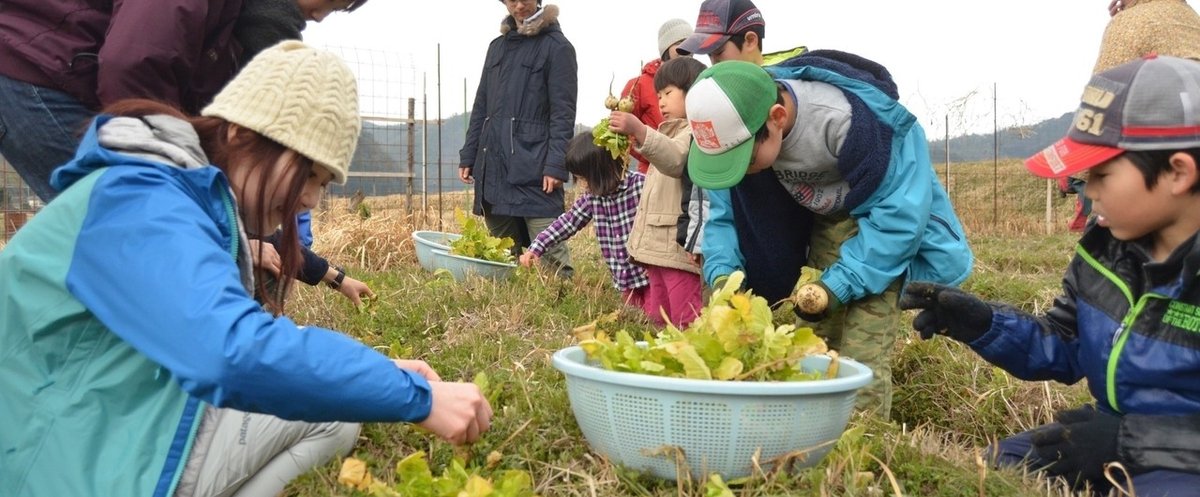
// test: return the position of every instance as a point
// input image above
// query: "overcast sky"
(945, 55)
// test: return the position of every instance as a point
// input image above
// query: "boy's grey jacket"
(523, 116)
(1132, 328)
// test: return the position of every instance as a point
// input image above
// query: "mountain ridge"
(1016, 142)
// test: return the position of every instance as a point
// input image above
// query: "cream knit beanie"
(304, 98)
(672, 32)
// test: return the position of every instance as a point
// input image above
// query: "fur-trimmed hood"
(535, 24)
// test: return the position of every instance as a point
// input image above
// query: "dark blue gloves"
(1078, 445)
(946, 310)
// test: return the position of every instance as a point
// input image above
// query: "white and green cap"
(726, 106)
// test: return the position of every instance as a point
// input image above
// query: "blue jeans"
(1018, 451)
(40, 129)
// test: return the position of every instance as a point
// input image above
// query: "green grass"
(948, 403)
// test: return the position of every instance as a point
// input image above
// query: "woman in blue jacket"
(134, 359)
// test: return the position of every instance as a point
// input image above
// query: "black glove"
(946, 311)
(1078, 445)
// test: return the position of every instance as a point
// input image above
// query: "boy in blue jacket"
(1128, 319)
(830, 129)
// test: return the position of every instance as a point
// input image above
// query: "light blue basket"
(426, 241)
(462, 267)
(718, 425)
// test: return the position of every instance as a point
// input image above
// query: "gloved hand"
(946, 311)
(1078, 445)
(814, 301)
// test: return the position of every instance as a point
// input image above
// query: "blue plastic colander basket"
(426, 241)
(718, 425)
(462, 267)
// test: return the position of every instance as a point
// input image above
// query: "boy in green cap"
(837, 140)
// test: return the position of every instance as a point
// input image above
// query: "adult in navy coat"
(523, 116)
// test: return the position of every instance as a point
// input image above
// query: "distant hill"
(1018, 142)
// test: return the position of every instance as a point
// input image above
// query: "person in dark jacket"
(1128, 319)
(179, 52)
(522, 119)
(64, 60)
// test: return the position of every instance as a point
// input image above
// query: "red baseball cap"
(1152, 103)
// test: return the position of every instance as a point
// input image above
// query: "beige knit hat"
(672, 32)
(304, 98)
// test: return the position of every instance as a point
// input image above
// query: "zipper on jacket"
(946, 224)
(233, 223)
(691, 241)
(512, 145)
(1121, 335)
(486, 119)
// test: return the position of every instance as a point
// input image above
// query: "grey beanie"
(672, 32)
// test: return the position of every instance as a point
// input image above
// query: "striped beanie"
(304, 98)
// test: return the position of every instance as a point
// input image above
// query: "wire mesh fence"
(17, 201)
(408, 154)
(1003, 198)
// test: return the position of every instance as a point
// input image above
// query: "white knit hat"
(672, 32)
(304, 98)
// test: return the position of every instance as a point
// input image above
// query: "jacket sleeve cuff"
(715, 272)
(559, 172)
(838, 288)
(314, 268)
(1149, 442)
(420, 401)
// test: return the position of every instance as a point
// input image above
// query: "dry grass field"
(948, 404)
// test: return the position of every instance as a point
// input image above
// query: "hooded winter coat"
(124, 311)
(522, 118)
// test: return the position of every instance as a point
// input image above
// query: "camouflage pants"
(864, 330)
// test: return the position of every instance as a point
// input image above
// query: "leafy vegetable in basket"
(477, 243)
(733, 339)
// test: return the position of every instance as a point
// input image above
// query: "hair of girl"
(594, 164)
(680, 72)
